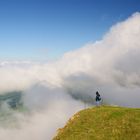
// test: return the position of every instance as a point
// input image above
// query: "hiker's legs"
(97, 103)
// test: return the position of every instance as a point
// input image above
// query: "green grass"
(102, 123)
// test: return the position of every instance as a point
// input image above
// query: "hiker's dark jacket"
(98, 98)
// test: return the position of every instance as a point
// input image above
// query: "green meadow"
(102, 123)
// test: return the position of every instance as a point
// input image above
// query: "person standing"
(98, 98)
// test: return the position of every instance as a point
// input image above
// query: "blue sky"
(46, 29)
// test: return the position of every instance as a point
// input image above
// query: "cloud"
(53, 91)
(45, 110)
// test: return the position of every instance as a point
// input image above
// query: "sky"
(46, 29)
(53, 91)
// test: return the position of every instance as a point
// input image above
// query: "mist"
(54, 91)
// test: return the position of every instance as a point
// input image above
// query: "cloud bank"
(53, 91)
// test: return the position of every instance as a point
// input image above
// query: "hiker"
(98, 98)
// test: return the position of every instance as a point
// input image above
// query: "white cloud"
(51, 90)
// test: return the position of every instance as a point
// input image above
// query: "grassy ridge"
(102, 123)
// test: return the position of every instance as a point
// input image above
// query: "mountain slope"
(12, 98)
(102, 123)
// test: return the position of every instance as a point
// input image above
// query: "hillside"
(102, 123)
(12, 98)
